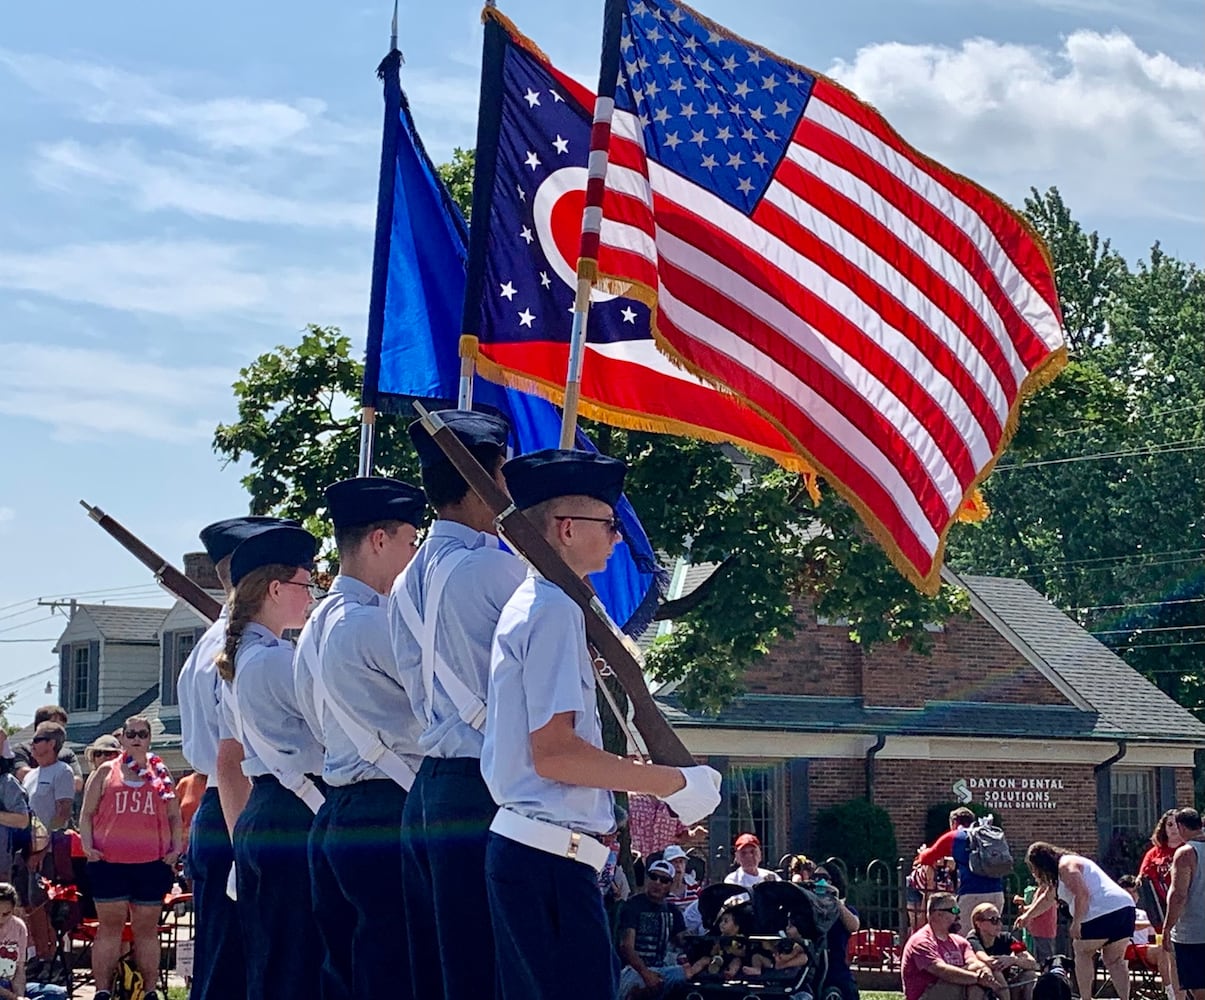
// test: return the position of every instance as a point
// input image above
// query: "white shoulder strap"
(285, 770)
(368, 744)
(470, 708)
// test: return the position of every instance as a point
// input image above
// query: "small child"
(14, 945)
(730, 954)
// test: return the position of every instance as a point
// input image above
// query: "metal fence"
(879, 893)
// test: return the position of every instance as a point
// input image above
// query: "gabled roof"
(80, 734)
(122, 624)
(800, 713)
(1108, 698)
(1128, 704)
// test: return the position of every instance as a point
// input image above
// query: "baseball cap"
(747, 839)
(672, 852)
(661, 868)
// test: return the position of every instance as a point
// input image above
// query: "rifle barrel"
(664, 745)
(166, 575)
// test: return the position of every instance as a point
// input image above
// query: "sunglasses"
(664, 879)
(951, 909)
(988, 920)
(43, 739)
(611, 523)
(138, 734)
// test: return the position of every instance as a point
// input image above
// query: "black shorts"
(142, 884)
(1190, 963)
(1116, 925)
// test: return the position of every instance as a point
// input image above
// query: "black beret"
(475, 430)
(559, 472)
(286, 545)
(368, 499)
(223, 537)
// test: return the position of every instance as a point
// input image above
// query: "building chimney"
(198, 567)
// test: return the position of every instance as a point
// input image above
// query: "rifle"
(166, 575)
(664, 745)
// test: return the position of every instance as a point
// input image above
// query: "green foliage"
(1098, 503)
(857, 832)
(6, 702)
(458, 178)
(299, 427)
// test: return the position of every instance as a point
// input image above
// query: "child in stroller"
(783, 957)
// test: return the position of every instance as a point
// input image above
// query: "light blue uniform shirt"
(199, 694)
(472, 601)
(355, 657)
(540, 668)
(264, 671)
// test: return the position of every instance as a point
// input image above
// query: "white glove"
(231, 884)
(699, 798)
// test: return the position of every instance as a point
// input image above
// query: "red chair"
(870, 949)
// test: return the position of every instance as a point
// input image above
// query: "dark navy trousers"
(356, 883)
(551, 934)
(218, 969)
(444, 829)
(280, 934)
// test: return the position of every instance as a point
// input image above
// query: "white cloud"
(107, 95)
(191, 279)
(85, 393)
(196, 186)
(1119, 130)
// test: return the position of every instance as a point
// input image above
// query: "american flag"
(886, 314)
(527, 261)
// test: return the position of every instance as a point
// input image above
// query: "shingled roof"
(122, 624)
(1110, 699)
(1128, 704)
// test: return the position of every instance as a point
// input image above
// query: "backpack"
(988, 853)
(127, 981)
(1055, 982)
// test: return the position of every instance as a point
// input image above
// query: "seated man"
(748, 856)
(648, 925)
(938, 964)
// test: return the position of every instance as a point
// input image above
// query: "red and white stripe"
(884, 311)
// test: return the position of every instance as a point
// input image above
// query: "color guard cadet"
(346, 670)
(270, 572)
(442, 613)
(543, 759)
(218, 972)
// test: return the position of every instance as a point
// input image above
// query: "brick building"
(1016, 708)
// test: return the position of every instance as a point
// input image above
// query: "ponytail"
(245, 602)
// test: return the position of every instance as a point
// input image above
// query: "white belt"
(550, 838)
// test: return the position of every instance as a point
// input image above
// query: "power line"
(1132, 565)
(51, 639)
(1143, 604)
(1170, 448)
(1161, 628)
(1159, 645)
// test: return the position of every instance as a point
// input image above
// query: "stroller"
(814, 910)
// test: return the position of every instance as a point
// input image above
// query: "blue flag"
(418, 284)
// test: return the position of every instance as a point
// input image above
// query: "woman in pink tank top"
(131, 832)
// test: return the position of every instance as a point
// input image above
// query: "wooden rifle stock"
(664, 745)
(166, 575)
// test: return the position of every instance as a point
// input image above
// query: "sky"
(183, 188)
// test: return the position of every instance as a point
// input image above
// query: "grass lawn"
(880, 995)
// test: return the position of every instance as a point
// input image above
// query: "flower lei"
(155, 772)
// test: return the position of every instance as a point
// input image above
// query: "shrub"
(857, 832)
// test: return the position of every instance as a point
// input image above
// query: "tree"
(1098, 504)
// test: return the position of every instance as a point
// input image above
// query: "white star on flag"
(532, 160)
(507, 291)
(629, 315)
(560, 145)
(532, 98)
(527, 235)
(526, 317)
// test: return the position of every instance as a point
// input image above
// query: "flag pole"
(592, 215)
(388, 72)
